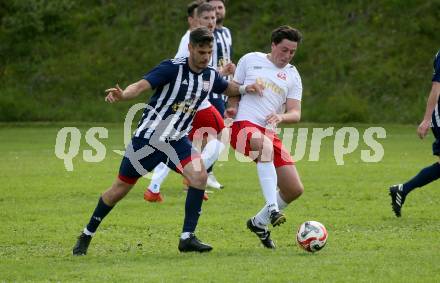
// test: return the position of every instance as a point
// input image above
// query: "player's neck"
(193, 67)
(269, 57)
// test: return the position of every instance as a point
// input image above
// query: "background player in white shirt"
(192, 24)
(257, 117)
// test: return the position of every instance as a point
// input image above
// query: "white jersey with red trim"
(279, 85)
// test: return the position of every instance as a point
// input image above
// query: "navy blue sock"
(193, 207)
(209, 170)
(425, 176)
(100, 212)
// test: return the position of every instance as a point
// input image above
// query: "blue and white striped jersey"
(223, 52)
(436, 78)
(178, 93)
(223, 41)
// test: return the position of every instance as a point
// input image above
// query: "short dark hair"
(192, 7)
(201, 36)
(216, 0)
(204, 7)
(286, 32)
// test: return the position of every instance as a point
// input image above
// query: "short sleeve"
(436, 75)
(240, 71)
(182, 52)
(162, 74)
(295, 88)
(220, 84)
(183, 47)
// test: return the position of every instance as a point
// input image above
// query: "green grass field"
(44, 207)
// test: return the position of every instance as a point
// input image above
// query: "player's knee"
(116, 192)
(266, 155)
(264, 148)
(299, 190)
(198, 180)
(255, 147)
(292, 192)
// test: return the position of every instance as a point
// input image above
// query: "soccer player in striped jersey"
(161, 134)
(207, 116)
(431, 119)
(256, 119)
(223, 55)
(222, 58)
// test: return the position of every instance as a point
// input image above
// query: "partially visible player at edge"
(256, 119)
(431, 119)
(161, 135)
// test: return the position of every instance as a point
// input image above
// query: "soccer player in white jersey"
(161, 135)
(193, 22)
(253, 132)
(207, 116)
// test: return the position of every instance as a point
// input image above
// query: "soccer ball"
(311, 236)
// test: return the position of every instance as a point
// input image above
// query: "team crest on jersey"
(282, 76)
(205, 86)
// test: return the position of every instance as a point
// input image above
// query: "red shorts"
(241, 134)
(206, 121)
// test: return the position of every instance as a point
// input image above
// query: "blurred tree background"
(360, 61)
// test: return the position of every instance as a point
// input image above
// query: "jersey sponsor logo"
(270, 86)
(282, 76)
(184, 107)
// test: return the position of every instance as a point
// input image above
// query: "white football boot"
(212, 182)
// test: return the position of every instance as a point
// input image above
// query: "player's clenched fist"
(255, 88)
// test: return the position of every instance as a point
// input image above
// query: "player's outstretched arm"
(424, 126)
(132, 91)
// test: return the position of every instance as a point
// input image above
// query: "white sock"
(159, 174)
(281, 203)
(268, 182)
(211, 152)
(87, 232)
(262, 219)
(185, 235)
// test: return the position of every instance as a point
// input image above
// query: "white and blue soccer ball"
(311, 236)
